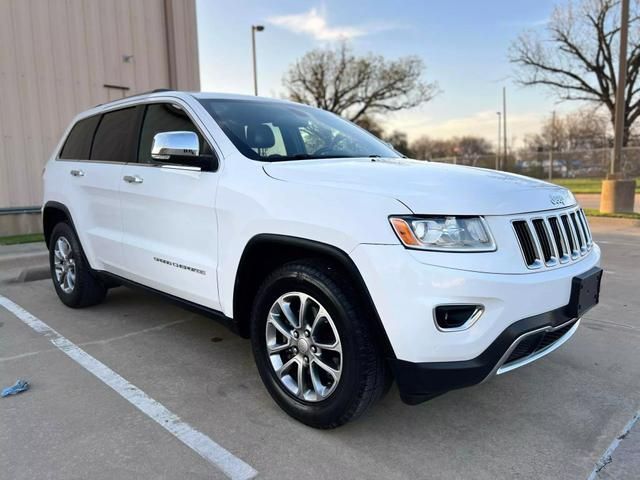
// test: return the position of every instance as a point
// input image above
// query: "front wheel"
(313, 346)
(75, 283)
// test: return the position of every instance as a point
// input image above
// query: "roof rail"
(156, 90)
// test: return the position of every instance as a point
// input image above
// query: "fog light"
(450, 318)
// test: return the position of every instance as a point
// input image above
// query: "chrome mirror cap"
(168, 144)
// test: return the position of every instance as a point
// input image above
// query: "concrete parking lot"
(553, 419)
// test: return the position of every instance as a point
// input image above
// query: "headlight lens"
(444, 233)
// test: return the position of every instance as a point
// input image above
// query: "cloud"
(525, 23)
(314, 23)
(482, 124)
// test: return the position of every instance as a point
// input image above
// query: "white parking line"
(231, 465)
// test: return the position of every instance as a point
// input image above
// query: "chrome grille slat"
(571, 234)
(536, 240)
(544, 240)
(560, 238)
(580, 236)
(554, 238)
(566, 235)
(585, 226)
(527, 245)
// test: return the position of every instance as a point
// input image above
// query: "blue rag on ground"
(18, 387)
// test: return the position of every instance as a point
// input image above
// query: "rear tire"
(75, 282)
(343, 371)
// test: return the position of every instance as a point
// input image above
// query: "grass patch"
(586, 185)
(16, 239)
(592, 212)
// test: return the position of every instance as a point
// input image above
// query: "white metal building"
(58, 58)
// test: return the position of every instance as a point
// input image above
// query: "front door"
(169, 224)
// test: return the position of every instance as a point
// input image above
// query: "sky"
(463, 43)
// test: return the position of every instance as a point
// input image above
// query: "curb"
(613, 223)
(33, 274)
(9, 261)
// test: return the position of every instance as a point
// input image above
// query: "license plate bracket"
(585, 292)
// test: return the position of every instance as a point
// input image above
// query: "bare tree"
(371, 125)
(580, 130)
(399, 141)
(357, 86)
(577, 54)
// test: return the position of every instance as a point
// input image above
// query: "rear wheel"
(75, 283)
(313, 346)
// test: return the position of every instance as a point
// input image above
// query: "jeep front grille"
(547, 240)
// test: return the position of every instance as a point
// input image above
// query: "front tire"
(76, 284)
(313, 346)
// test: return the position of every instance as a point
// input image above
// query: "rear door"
(168, 215)
(93, 157)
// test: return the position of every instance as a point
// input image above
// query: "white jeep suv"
(346, 264)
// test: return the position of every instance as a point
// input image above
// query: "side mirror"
(167, 145)
(181, 148)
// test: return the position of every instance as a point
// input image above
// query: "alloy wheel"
(304, 346)
(64, 265)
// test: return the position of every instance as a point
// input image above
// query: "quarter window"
(78, 143)
(165, 117)
(115, 136)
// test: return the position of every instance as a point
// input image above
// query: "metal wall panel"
(56, 57)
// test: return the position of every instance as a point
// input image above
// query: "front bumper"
(405, 292)
(418, 382)
(427, 361)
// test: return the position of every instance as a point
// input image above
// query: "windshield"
(278, 131)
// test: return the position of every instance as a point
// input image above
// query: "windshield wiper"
(304, 156)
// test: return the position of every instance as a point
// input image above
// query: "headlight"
(444, 233)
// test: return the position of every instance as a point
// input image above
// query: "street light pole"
(254, 29)
(504, 123)
(616, 164)
(499, 142)
(553, 143)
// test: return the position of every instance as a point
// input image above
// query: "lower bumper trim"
(419, 382)
(504, 365)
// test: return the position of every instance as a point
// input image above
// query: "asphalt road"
(552, 419)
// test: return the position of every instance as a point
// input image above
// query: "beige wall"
(56, 56)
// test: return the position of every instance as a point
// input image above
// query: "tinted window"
(277, 131)
(78, 144)
(115, 136)
(165, 117)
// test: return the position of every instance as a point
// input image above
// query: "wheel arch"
(265, 252)
(52, 214)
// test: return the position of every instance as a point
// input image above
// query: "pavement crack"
(26, 354)
(133, 334)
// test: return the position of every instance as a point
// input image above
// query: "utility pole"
(254, 29)
(618, 193)
(616, 164)
(504, 123)
(553, 143)
(499, 142)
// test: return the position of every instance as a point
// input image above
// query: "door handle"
(77, 173)
(132, 179)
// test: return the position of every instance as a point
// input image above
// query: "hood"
(428, 187)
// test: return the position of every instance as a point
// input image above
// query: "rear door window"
(116, 136)
(78, 143)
